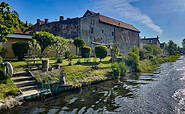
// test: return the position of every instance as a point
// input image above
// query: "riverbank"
(84, 74)
(149, 92)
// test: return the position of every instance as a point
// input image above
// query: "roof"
(149, 38)
(112, 21)
(17, 30)
(20, 36)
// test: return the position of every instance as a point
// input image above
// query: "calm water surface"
(161, 91)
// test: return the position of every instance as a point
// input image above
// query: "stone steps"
(26, 83)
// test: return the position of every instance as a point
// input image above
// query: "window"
(148, 41)
(91, 30)
(112, 33)
(93, 22)
(102, 31)
(151, 41)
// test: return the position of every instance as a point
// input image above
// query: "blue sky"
(165, 18)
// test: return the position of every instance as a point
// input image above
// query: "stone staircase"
(26, 83)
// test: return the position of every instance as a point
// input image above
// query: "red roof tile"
(17, 30)
(113, 21)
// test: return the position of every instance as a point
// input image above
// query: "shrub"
(59, 60)
(123, 69)
(119, 69)
(116, 69)
(3, 51)
(20, 49)
(135, 50)
(133, 61)
(101, 51)
(86, 51)
(67, 53)
(78, 62)
(74, 56)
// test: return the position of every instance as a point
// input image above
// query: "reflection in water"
(160, 91)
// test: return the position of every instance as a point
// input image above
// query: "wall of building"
(8, 45)
(126, 39)
(65, 28)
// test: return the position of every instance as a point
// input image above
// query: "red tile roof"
(17, 30)
(113, 21)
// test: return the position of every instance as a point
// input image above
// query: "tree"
(8, 21)
(148, 48)
(171, 48)
(59, 46)
(114, 51)
(79, 43)
(44, 39)
(20, 49)
(101, 51)
(183, 46)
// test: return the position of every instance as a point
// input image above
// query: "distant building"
(151, 41)
(92, 27)
(162, 45)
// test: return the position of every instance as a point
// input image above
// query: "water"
(161, 91)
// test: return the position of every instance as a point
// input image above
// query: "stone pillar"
(62, 78)
(45, 64)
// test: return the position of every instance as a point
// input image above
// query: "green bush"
(20, 49)
(116, 69)
(101, 51)
(135, 50)
(86, 52)
(78, 62)
(59, 60)
(119, 69)
(123, 69)
(67, 53)
(74, 56)
(3, 51)
(133, 61)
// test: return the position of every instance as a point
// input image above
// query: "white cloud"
(124, 9)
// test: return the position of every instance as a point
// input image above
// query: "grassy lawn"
(76, 74)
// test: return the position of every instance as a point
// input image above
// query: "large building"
(92, 27)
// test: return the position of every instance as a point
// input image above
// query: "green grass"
(7, 87)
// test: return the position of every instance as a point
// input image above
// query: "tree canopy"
(171, 48)
(8, 21)
(44, 39)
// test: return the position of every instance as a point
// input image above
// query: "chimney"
(26, 23)
(61, 18)
(157, 36)
(38, 21)
(46, 21)
(68, 18)
(144, 37)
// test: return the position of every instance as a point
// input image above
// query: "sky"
(165, 18)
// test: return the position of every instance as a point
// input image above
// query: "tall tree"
(183, 46)
(171, 48)
(8, 21)
(44, 39)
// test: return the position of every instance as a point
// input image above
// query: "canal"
(160, 91)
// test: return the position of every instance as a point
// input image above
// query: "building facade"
(92, 27)
(151, 41)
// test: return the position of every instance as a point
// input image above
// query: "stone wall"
(65, 28)
(126, 39)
